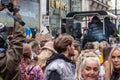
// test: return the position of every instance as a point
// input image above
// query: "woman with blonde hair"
(46, 52)
(103, 44)
(89, 69)
(96, 45)
(114, 60)
(84, 54)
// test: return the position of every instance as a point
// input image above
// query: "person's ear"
(69, 47)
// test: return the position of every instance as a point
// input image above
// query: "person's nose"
(73, 47)
(92, 72)
(116, 59)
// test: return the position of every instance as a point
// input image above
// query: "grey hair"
(84, 62)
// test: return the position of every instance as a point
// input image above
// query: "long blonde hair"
(110, 61)
(43, 57)
(46, 51)
(102, 45)
(96, 45)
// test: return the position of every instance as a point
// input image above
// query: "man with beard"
(60, 66)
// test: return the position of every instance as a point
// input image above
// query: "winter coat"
(60, 68)
(115, 75)
(9, 61)
(30, 71)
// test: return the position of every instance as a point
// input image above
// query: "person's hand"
(15, 3)
(13, 6)
(10, 6)
(1, 6)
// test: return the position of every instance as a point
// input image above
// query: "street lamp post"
(116, 12)
(115, 7)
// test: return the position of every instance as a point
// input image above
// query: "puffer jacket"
(9, 61)
(61, 66)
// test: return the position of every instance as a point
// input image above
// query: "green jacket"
(9, 61)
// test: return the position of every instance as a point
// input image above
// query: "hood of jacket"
(58, 56)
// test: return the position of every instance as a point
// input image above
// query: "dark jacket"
(115, 75)
(110, 28)
(59, 68)
(9, 61)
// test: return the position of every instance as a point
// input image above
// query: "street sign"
(46, 21)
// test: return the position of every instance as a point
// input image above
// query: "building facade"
(90, 5)
(33, 11)
(57, 10)
(29, 10)
(115, 8)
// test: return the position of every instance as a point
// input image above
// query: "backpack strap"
(30, 70)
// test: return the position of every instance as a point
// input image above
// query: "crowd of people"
(59, 58)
